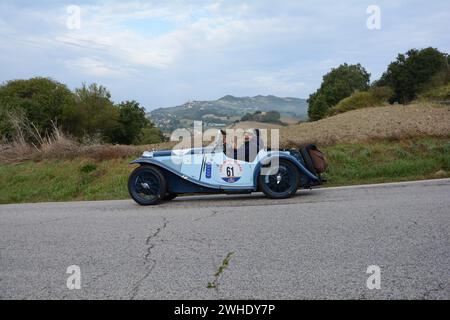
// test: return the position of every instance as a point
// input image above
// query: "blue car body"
(207, 170)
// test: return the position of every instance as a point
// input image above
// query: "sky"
(164, 53)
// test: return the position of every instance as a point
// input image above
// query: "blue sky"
(163, 53)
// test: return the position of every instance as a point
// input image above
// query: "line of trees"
(269, 117)
(409, 75)
(87, 113)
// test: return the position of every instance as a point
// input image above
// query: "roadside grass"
(64, 180)
(357, 163)
(388, 161)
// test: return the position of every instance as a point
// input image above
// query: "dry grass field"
(390, 122)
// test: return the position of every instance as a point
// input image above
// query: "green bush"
(376, 96)
(383, 94)
(39, 101)
(150, 135)
(438, 94)
(88, 168)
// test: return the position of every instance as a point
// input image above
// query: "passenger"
(251, 146)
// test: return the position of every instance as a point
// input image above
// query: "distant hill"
(225, 111)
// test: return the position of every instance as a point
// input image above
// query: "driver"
(228, 150)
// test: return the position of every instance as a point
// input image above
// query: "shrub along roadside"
(87, 179)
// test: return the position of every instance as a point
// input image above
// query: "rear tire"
(147, 185)
(281, 182)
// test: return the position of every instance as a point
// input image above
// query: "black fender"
(290, 158)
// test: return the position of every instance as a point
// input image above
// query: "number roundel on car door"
(230, 171)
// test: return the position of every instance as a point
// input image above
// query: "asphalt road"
(317, 244)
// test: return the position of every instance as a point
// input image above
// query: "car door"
(192, 163)
(218, 169)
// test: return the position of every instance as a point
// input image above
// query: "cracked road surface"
(317, 244)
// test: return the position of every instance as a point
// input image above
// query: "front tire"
(147, 185)
(281, 182)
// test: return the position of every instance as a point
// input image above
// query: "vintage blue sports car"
(162, 175)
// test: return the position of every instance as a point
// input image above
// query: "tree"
(94, 114)
(271, 116)
(318, 106)
(247, 117)
(132, 121)
(39, 101)
(150, 135)
(338, 84)
(415, 71)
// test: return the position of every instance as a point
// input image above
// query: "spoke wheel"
(147, 185)
(280, 182)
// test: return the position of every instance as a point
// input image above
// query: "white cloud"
(96, 67)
